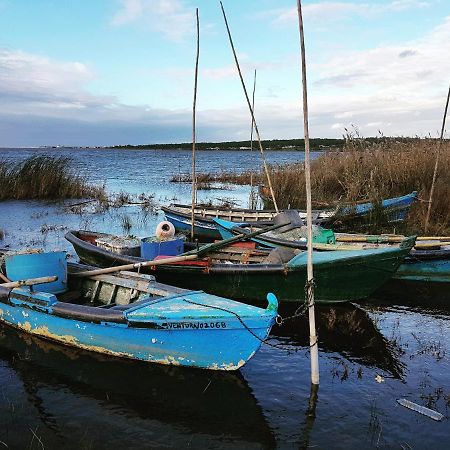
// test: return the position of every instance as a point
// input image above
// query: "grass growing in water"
(374, 171)
(44, 177)
(366, 170)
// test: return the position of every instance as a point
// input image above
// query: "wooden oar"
(29, 282)
(158, 262)
(388, 239)
(240, 237)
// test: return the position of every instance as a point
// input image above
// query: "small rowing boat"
(243, 272)
(394, 209)
(130, 315)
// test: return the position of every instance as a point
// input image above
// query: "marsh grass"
(44, 178)
(375, 171)
(368, 170)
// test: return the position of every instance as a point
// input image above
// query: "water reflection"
(347, 330)
(185, 404)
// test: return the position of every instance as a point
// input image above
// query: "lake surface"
(371, 354)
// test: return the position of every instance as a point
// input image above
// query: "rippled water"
(370, 355)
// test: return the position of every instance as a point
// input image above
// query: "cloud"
(406, 53)
(392, 70)
(172, 18)
(326, 11)
(395, 89)
(389, 87)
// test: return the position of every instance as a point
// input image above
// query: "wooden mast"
(194, 175)
(252, 203)
(309, 288)
(266, 169)
(430, 200)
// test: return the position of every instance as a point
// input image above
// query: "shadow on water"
(66, 387)
(348, 330)
(414, 293)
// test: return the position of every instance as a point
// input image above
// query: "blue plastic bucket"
(23, 266)
(151, 247)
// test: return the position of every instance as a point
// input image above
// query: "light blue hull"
(201, 228)
(431, 271)
(396, 208)
(158, 332)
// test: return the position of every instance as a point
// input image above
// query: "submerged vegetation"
(44, 177)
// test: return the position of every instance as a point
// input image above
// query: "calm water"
(370, 354)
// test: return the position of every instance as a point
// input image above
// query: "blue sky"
(106, 72)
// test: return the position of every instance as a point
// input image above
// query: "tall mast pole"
(430, 200)
(194, 175)
(252, 196)
(309, 288)
(266, 169)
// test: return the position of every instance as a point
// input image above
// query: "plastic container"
(23, 266)
(151, 247)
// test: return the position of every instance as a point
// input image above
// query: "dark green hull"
(347, 279)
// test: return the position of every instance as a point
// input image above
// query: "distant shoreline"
(294, 145)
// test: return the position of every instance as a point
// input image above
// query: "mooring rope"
(301, 310)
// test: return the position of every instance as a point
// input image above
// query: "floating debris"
(421, 409)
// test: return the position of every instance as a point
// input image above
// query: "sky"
(107, 72)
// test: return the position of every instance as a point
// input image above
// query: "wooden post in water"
(266, 169)
(309, 288)
(252, 202)
(430, 200)
(194, 175)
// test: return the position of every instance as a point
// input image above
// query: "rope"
(279, 320)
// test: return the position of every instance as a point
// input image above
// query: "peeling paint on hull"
(214, 349)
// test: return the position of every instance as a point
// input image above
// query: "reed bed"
(45, 178)
(365, 169)
(374, 170)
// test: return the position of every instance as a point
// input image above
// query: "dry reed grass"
(365, 169)
(374, 170)
(44, 177)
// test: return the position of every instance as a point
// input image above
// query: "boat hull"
(424, 271)
(394, 209)
(212, 346)
(339, 278)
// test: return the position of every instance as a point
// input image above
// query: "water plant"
(44, 177)
(364, 169)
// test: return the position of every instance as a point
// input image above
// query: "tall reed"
(374, 170)
(44, 177)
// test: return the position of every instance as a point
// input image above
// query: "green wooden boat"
(245, 273)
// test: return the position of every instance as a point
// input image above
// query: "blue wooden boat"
(429, 266)
(394, 209)
(132, 316)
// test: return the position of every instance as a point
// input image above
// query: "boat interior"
(234, 215)
(117, 291)
(238, 253)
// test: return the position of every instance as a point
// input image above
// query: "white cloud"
(333, 11)
(172, 18)
(392, 72)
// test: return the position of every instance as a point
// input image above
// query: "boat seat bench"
(87, 313)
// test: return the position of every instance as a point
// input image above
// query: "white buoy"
(165, 230)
